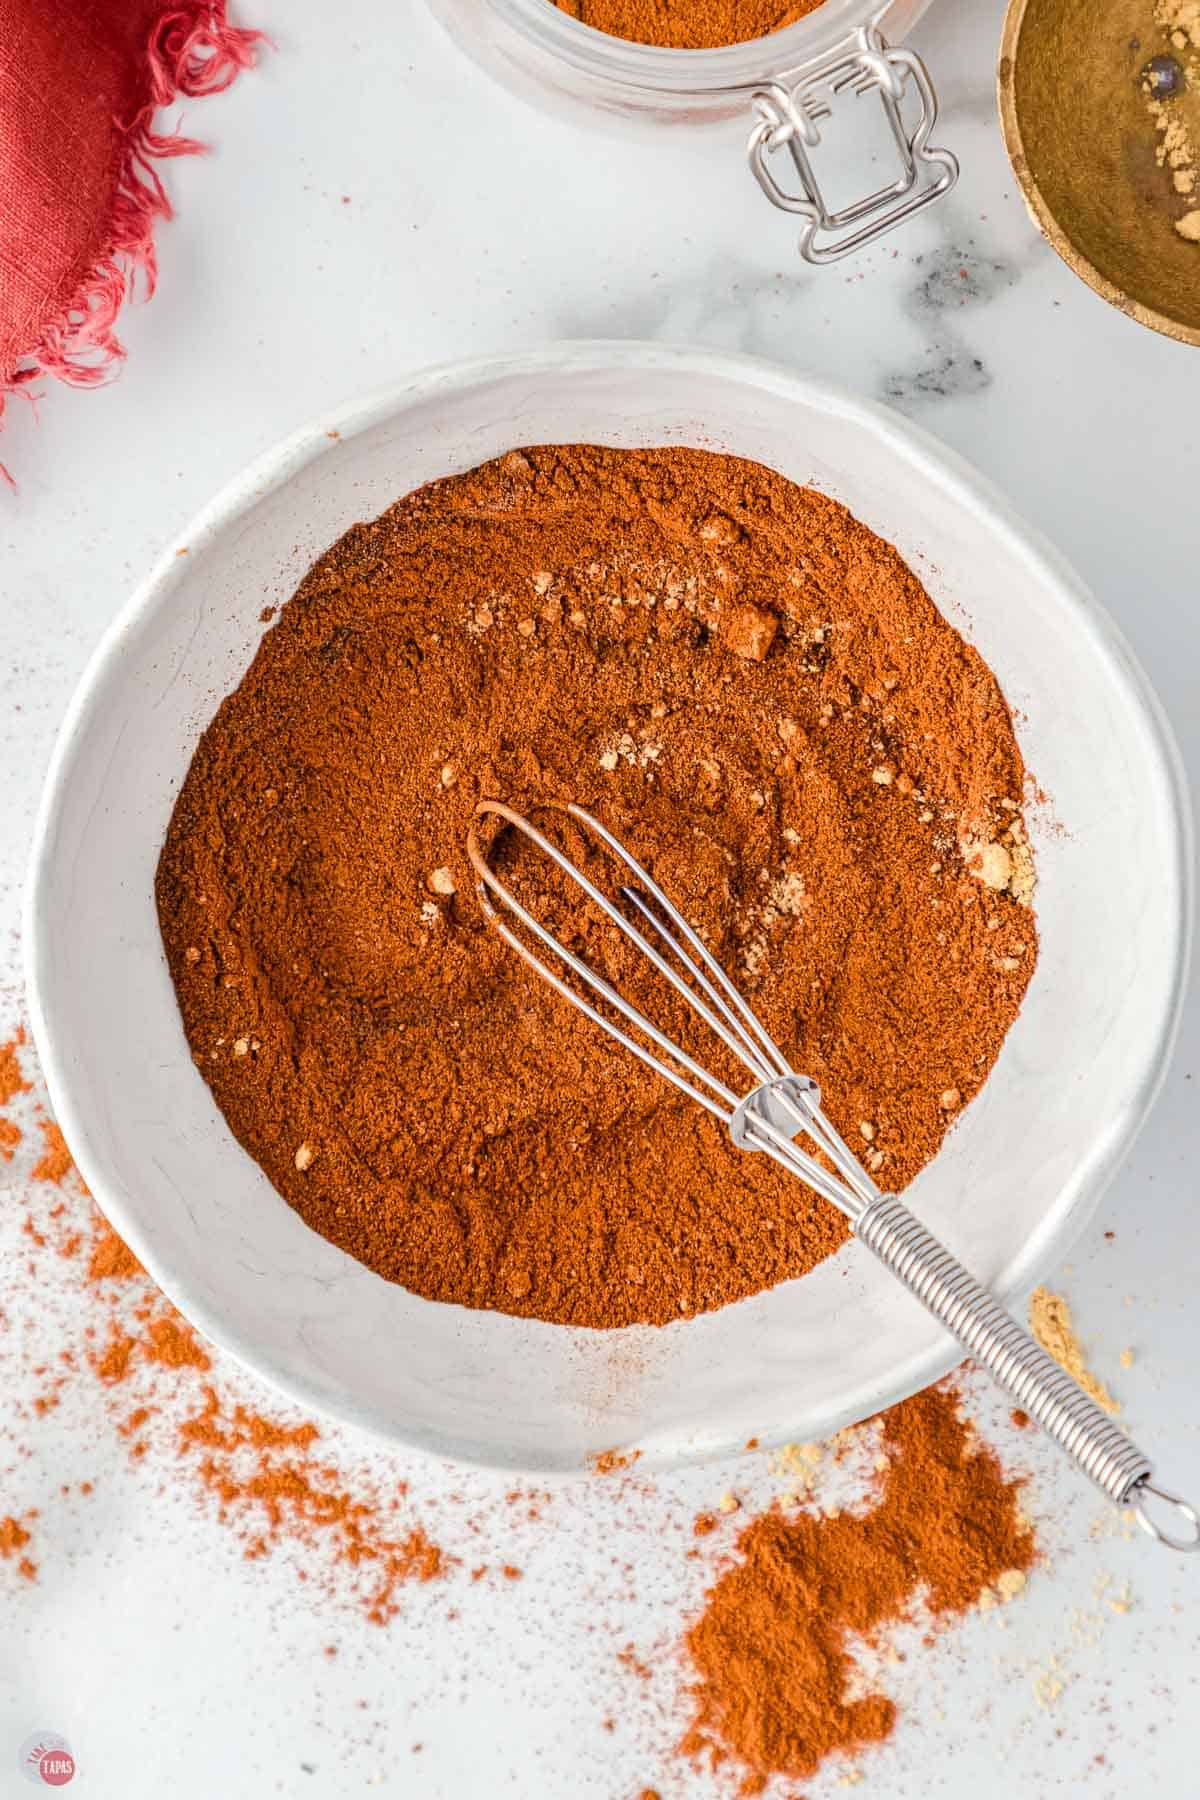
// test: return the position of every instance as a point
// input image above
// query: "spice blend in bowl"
(1012, 1183)
(759, 697)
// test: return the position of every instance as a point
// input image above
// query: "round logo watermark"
(45, 1758)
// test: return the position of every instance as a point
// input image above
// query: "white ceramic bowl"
(1019, 1175)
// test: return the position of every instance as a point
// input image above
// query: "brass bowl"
(1082, 145)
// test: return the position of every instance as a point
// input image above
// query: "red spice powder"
(13, 1539)
(12, 1081)
(629, 1659)
(271, 1484)
(206, 1428)
(111, 1259)
(32, 1233)
(112, 1364)
(271, 1488)
(172, 1343)
(10, 1137)
(48, 1400)
(772, 1649)
(612, 1462)
(56, 1162)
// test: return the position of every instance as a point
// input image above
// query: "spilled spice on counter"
(55, 1162)
(759, 697)
(687, 24)
(271, 1481)
(11, 1084)
(110, 1257)
(773, 1650)
(12, 1081)
(1051, 1323)
(14, 1539)
(171, 1342)
(612, 1462)
(358, 1539)
(273, 1485)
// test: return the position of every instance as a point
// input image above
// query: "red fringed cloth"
(80, 193)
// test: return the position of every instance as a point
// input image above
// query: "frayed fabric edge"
(193, 50)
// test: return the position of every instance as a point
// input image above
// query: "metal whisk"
(783, 1107)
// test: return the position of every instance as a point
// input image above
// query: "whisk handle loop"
(1036, 1382)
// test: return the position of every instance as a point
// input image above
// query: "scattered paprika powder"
(11, 1079)
(272, 1481)
(773, 1648)
(14, 1541)
(12, 1082)
(273, 1486)
(55, 1161)
(946, 1520)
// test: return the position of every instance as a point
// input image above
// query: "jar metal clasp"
(787, 118)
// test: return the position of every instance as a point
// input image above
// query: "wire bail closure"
(788, 119)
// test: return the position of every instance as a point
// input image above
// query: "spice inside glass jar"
(783, 85)
(687, 24)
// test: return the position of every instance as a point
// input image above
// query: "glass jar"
(784, 86)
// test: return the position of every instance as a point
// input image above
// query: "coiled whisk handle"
(1036, 1382)
(781, 1113)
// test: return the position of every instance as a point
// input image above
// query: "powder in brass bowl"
(758, 696)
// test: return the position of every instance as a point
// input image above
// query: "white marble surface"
(472, 223)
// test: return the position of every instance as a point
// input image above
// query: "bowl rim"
(272, 469)
(1043, 216)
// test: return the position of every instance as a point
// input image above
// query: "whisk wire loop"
(698, 978)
